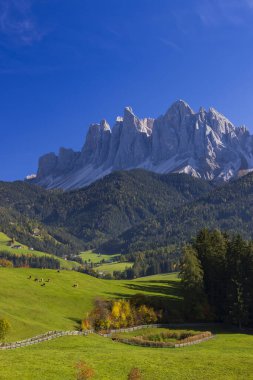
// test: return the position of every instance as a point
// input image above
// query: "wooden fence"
(109, 333)
(138, 342)
(42, 338)
(57, 334)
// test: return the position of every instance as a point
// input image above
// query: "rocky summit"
(203, 144)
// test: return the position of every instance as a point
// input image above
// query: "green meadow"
(96, 258)
(111, 267)
(228, 356)
(33, 309)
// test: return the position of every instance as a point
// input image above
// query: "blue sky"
(65, 64)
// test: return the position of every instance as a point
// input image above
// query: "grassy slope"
(94, 257)
(227, 357)
(110, 268)
(34, 309)
(4, 239)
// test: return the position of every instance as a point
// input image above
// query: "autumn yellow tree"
(117, 314)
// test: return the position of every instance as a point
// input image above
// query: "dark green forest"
(30, 261)
(125, 212)
(88, 218)
(217, 278)
(151, 262)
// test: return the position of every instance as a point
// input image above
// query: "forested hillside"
(93, 215)
(229, 208)
(124, 212)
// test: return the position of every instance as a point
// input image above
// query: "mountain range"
(204, 144)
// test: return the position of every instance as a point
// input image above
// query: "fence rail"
(42, 338)
(109, 333)
(144, 343)
(50, 335)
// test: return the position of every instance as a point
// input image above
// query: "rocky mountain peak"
(204, 144)
(179, 109)
(104, 125)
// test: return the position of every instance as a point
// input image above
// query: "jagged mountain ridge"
(203, 144)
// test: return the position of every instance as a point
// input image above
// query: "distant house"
(16, 247)
(31, 249)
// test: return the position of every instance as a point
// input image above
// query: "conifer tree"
(192, 279)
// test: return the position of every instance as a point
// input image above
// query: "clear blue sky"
(67, 63)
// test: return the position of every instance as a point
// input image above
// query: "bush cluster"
(116, 314)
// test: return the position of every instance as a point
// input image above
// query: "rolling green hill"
(33, 309)
(4, 247)
(111, 267)
(95, 258)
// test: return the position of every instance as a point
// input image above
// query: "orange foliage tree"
(118, 314)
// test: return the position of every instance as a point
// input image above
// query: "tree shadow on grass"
(172, 290)
(172, 308)
(77, 322)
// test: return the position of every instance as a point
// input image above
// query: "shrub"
(146, 315)
(6, 263)
(117, 314)
(134, 374)
(84, 371)
(99, 317)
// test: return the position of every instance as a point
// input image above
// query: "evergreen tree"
(192, 280)
(211, 247)
(238, 295)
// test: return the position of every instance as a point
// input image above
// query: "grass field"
(4, 239)
(110, 268)
(33, 309)
(227, 357)
(95, 258)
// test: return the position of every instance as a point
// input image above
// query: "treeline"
(30, 261)
(151, 262)
(217, 278)
(146, 263)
